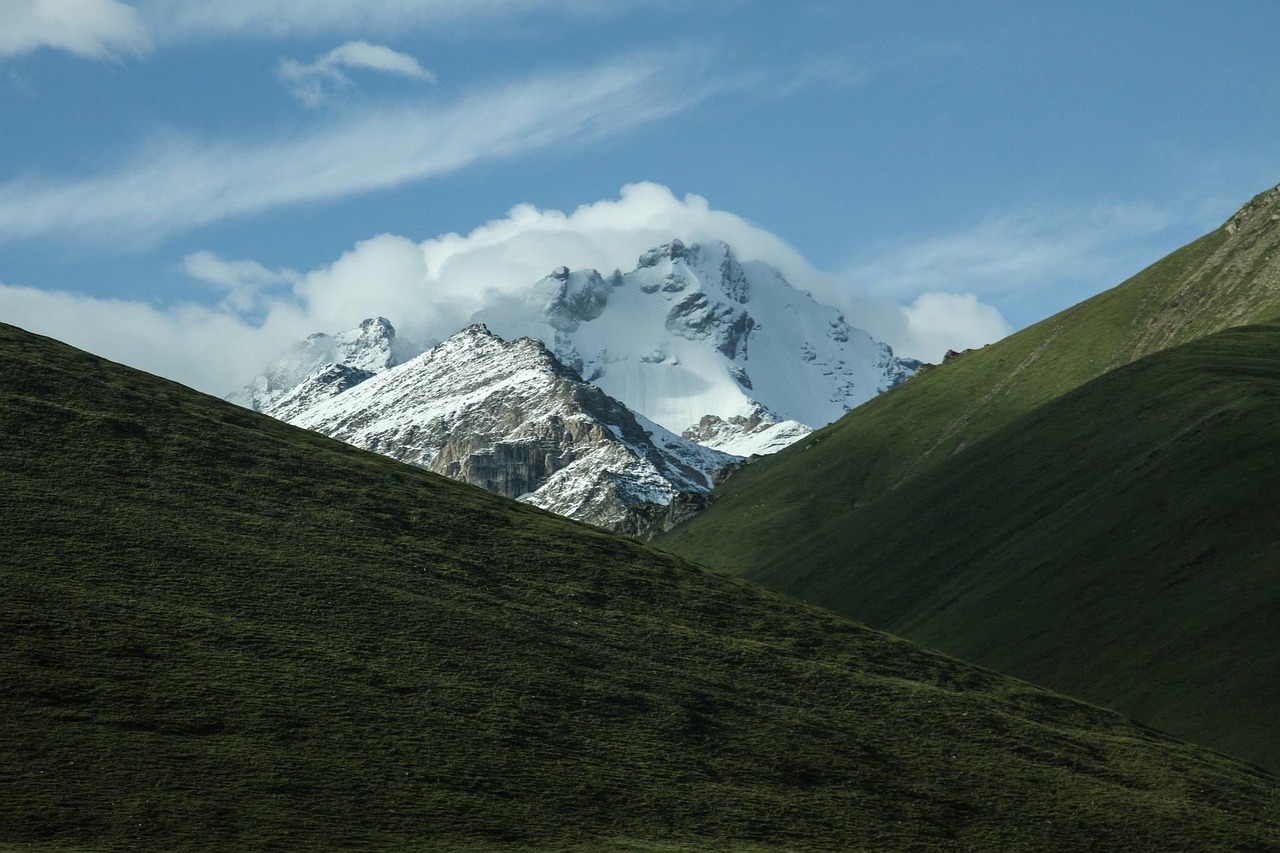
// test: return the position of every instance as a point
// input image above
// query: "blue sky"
(187, 186)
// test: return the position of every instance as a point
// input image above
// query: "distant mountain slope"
(509, 417)
(223, 632)
(1227, 278)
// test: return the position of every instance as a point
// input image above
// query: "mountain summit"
(692, 333)
(370, 348)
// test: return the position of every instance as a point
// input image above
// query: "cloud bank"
(430, 289)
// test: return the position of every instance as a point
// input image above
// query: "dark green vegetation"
(224, 632)
(1115, 543)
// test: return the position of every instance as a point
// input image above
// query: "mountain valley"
(1084, 504)
(228, 632)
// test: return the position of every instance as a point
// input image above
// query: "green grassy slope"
(1227, 278)
(225, 633)
(1118, 544)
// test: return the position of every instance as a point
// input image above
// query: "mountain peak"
(1262, 209)
(369, 348)
(474, 330)
(692, 331)
(675, 250)
(690, 253)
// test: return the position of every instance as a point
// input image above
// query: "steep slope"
(508, 417)
(223, 632)
(1227, 278)
(1117, 544)
(693, 333)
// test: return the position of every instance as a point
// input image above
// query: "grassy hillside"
(225, 633)
(1227, 278)
(1118, 544)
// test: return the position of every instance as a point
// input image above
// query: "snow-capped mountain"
(614, 398)
(724, 352)
(509, 417)
(370, 348)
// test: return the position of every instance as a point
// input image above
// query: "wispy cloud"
(93, 29)
(272, 18)
(109, 29)
(246, 283)
(1010, 252)
(313, 82)
(830, 72)
(180, 184)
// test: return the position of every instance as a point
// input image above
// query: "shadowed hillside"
(1227, 278)
(1118, 544)
(224, 632)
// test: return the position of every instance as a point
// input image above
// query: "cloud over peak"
(432, 288)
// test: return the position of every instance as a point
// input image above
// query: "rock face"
(370, 348)
(693, 332)
(510, 418)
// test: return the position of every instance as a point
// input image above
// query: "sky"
(189, 186)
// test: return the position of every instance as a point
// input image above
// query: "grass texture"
(226, 633)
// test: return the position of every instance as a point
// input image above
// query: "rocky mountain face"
(509, 417)
(693, 333)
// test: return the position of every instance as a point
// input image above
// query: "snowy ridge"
(693, 332)
(509, 417)
(370, 348)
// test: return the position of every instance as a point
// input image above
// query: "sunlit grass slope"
(222, 632)
(1227, 278)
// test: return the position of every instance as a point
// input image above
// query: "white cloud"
(104, 29)
(199, 346)
(245, 282)
(938, 322)
(312, 82)
(180, 184)
(289, 17)
(430, 289)
(94, 29)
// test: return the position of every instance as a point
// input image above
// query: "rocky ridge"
(370, 348)
(510, 418)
